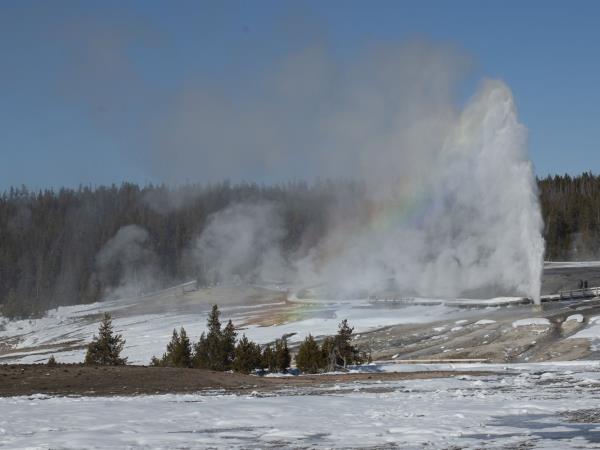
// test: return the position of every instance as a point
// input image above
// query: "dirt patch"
(70, 379)
(583, 416)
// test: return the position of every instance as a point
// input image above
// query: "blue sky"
(82, 84)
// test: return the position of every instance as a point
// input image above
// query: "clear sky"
(82, 82)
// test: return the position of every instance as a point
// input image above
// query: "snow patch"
(575, 317)
(537, 321)
(485, 322)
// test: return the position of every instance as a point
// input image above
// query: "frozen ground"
(424, 328)
(529, 405)
(521, 406)
(64, 332)
(515, 333)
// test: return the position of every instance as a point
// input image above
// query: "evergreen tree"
(329, 353)
(309, 358)
(105, 349)
(283, 358)
(213, 349)
(268, 359)
(346, 352)
(247, 356)
(213, 323)
(338, 351)
(228, 344)
(202, 357)
(179, 352)
(51, 361)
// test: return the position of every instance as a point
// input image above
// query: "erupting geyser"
(469, 224)
(450, 206)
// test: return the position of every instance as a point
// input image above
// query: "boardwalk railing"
(580, 293)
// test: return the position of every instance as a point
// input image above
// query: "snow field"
(466, 411)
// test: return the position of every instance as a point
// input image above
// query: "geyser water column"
(494, 200)
(450, 208)
(468, 223)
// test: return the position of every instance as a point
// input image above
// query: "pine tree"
(228, 344)
(179, 352)
(268, 359)
(346, 353)
(201, 358)
(338, 351)
(283, 358)
(213, 323)
(105, 349)
(210, 352)
(329, 353)
(247, 356)
(51, 361)
(309, 358)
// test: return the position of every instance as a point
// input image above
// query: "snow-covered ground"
(519, 407)
(570, 264)
(64, 331)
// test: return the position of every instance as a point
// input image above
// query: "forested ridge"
(571, 211)
(50, 240)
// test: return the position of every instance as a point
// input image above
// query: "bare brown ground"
(70, 379)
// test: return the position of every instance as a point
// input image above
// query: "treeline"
(571, 212)
(50, 241)
(219, 349)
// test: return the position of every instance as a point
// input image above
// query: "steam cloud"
(240, 244)
(126, 263)
(451, 207)
(469, 224)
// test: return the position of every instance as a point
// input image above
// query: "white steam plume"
(451, 206)
(127, 264)
(241, 243)
(467, 224)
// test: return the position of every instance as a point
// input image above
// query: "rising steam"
(451, 204)
(127, 264)
(468, 224)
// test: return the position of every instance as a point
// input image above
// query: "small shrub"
(51, 361)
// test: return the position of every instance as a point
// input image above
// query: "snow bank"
(575, 317)
(537, 321)
(485, 322)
